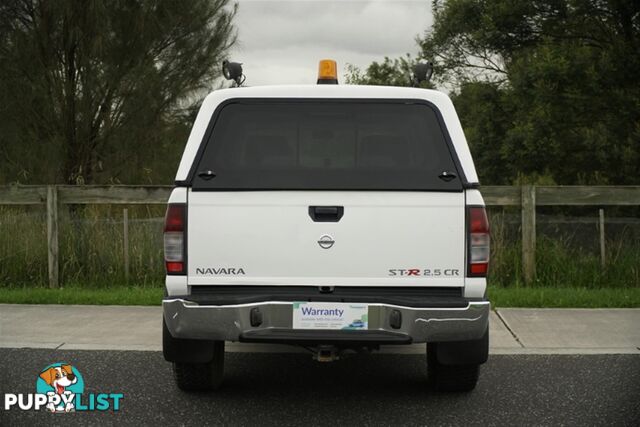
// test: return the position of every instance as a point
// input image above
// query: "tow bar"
(326, 353)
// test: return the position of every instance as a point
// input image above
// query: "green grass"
(91, 251)
(564, 297)
(500, 297)
(92, 264)
(84, 296)
(562, 261)
(90, 246)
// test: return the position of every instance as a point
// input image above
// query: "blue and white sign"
(328, 315)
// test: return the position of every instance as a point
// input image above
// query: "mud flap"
(473, 352)
(182, 350)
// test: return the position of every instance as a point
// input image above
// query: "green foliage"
(485, 114)
(96, 92)
(564, 75)
(91, 251)
(391, 72)
(90, 245)
(547, 91)
(560, 261)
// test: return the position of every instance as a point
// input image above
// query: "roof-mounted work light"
(233, 71)
(327, 72)
(422, 72)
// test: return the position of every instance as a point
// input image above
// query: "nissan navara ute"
(340, 218)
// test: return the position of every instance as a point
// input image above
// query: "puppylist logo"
(60, 389)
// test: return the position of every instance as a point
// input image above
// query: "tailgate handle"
(326, 213)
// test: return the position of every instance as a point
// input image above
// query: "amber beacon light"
(327, 72)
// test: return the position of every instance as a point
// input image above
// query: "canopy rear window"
(325, 145)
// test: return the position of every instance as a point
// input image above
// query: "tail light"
(478, 242)
(175, 224)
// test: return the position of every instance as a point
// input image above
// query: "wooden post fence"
(528, 233)
(526, 197)
(52, 236)
(603, 260)
(125, 242)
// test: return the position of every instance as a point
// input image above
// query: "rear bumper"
(188, 319)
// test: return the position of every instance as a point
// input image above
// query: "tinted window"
(326, 145)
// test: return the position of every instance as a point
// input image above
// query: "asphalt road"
(291, 389)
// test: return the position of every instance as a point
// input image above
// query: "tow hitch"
(326, 353)
(331, 353)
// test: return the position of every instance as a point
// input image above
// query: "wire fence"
(92, 248)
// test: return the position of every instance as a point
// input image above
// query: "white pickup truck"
(338, 218)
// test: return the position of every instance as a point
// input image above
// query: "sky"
(281, 42)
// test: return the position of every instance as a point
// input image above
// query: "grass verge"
(76, 295)
(500, 297)
(565, 297)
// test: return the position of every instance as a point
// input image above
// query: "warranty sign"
(328, 315)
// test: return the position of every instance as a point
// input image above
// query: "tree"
(568, 71)
(92, 90)
(544, 88)
(391, 72)
(485, 113)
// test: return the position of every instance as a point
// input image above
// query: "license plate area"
(331, 316)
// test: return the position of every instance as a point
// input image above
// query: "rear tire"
(455, 378)
(201, 376)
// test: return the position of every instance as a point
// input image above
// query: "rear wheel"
(201, 376)
(450, 377)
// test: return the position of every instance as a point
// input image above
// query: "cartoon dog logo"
(59, 378)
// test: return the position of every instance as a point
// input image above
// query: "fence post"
(52, 235)
(529, 233)
(125, 238)
(602, 253)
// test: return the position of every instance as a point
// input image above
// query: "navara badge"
(326, 241)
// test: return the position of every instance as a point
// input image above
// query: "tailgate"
(270, 238)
